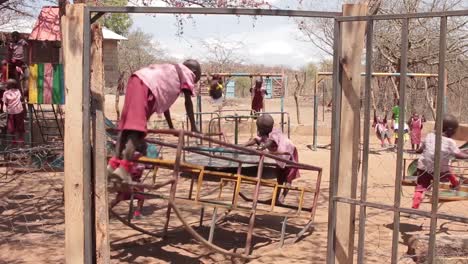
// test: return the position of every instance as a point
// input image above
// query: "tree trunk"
(119, 90)
(296, 93)
(430, 101)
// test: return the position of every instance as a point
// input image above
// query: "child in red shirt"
(12, 98)
(3, 80)
(258, 95)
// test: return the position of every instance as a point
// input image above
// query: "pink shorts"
(138, 106)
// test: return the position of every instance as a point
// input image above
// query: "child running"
(258, 94)
(12, 98)
(152, 89)
(381, 129)
(276, 142)
(415, 125)
(449, 150)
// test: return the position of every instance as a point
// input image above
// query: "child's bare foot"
(123, 174)
(281, 199)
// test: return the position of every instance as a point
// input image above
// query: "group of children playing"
(11, 93)
(413, 128)
(155, 88)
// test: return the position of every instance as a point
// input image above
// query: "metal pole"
(438, 146)
(248, 242)
(365, 154)
(401, 140)
(335, 147)
(236, 129)
(314, 148)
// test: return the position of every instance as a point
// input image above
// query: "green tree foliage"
(119, 23)
(243, 85)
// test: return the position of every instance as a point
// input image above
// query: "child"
(216, 89)
(277, 143)
(136, 172)
(16, 49)
(258, 94)
(415, 125)
(449, 150)
(151, 89)
(3, 80)
(381, 129)
(14, 108)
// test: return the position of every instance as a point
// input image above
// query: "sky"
(272, 41)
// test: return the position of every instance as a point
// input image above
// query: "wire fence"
(31, 203)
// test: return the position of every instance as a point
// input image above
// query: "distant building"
(44, 37)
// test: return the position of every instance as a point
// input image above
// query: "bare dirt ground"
(32, 221)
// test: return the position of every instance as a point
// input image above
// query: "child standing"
(14, 108)
(449, 150)
(3, 80)
(151, 89)
(415, 125)
(381, 129)
(16, 49)
(258, 95)
(277, 143)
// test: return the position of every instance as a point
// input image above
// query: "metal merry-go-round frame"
(92, 14)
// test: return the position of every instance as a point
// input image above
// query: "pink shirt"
(164, 83)
(284, 145)
(18, 49)
(12, 100)
(448, 150)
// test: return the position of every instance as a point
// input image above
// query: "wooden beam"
(352, 40)
(98, 133)
(77, 205)
(462, 133)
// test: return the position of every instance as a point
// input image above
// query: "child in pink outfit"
(152, 89)
(276, 142)
(381, 129)
(415, 125)
(449, 150)
(12, 99)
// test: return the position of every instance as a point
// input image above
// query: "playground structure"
(319, 79)
(229, 165)
(458, 167)
(86, 112)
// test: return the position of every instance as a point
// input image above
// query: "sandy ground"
(32, 223)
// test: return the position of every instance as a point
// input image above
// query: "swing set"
(321, 76)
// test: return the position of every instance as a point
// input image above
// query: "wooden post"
(352, 37)
(78, 241)
(101, 201)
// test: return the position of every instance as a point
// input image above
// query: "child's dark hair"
(216, 87)
(258, 83)
(449, 125)
(195, 67)
(12, 84)
(265, 123)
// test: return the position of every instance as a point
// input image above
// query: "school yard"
(32, 212)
